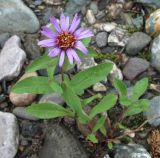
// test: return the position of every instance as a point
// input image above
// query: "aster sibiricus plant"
(66, 39)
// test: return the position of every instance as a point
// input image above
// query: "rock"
(101, 39)
(31, 129)
(93, 6)
(153, 23)
(137, 42)
(131, 151)
(60, 143)
(54, 97)
(99, 87)
(118, 37)
(106, 156)
(23, 99)
(102, 4)
(31, 47)
(86, 63)
(22, 113)
(9, 137)
(3, 38)
(108, 27)
(154, 111)
(15, 17)
(100, 15)
(150, 2)
(90, 16)
(134, 67)
(53, 2)
(12, 58)
(155, 53)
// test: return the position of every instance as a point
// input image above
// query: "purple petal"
(54, 52)
(69, 55)
(75, 23)
(64, 22)
(79, 45)
(48, 32)
(85, 34)
(75, 56)
(55, 24)
(80, 30)
(47, 43)
(61, 60)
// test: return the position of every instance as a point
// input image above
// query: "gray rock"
(150, 2)
(81, 2)
(137, 42)
(3, 38)
(15, 16)
(101, 39)
(54, 97)
(9, 135)
(102, 4)
(154, 111)
(60, 143)
(100, 15)
(12, 58)
(134, 67)
(155, 50)
(108, 27)
(131, 151)
(22, 113)
(93, 6)
(118, 37)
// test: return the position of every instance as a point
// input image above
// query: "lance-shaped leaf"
(86, 78)
(105, 104)
(48, 111)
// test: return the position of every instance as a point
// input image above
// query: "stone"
(108, 27)
(22, 113)
(9, 135)
(131, 151)
(106, 156)
(31, 47)
(101, 39)
(86, 63)
(153, 23)
(153, 113)
(53, 2)
(60, 143)
(53, 98)
(100, 15)
(137, 42)
(118, 37)
(3, 38)
(99, 87)
(16, 16)
(12, 58)
(90, 16)
(93, 6)
(25, 98)
(150, 2)
(134, 67)
(155, 53)
(102, 4)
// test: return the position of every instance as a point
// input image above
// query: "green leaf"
(35, 85)
(103, 130)
(140, 88)
(86, 78)
(120, 87)
(41, 63)
(48, 111)
(92, 52)
(86, 41)
(92, 138)
(110, 145)
(55, 86)
(99, 124)
(105, 104)
(125, 101)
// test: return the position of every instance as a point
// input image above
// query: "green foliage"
(92, 138)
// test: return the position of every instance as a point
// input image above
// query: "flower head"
(66, 39)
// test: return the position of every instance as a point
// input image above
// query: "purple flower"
(66, 39)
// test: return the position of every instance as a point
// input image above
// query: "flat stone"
(22, 113)
(16, 16)
(9, 135)
(131, 151)
(155, 50)
(60, 143)
(101, 39)
(23, 99)
(90, 16)
(134, 67)
(154, 112)
(118, 37)
(12, 58)
(53, 98)
(137, 42)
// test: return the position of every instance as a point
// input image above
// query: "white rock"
(99, 87)
(12, 58)
(90, 16)
(9, 135)
(108, 27)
